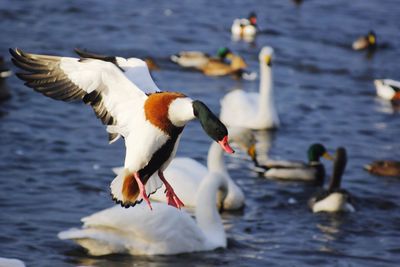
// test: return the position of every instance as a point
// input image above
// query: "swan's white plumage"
(249, 109)
(7, 262)
(166, 230)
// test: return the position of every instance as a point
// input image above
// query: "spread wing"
(113, 97)
(135, 69)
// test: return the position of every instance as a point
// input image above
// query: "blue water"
(56, 163)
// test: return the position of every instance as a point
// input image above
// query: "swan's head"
(266, 55)
(245, 140)
(316, 151)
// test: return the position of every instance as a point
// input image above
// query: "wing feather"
(98, 83)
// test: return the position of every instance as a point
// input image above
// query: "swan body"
(334, 199)
(164, 232)
(253, 110)
(388, 89)
(126, 99)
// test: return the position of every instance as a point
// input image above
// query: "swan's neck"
(266, 94)
(207, 215)
(215, 159)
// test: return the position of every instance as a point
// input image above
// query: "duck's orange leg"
(142, 189)
(172, 198)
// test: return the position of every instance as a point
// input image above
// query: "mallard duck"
(253, 110)
(334, 199)
(197, 59)
(245, 27)
(384, 168)
(126, 99)
(366, 42)
(167, 231)
(314, 171)
(388, 89)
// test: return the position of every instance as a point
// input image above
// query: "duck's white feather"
(386, 88)
(7, 262)
(334, 202)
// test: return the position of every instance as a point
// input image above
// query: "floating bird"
(168, 231)
(253, 110)
(126, 99)
(226, 62)
(245, 28)
(384, 168)
(314, 171)
(334, 199)
(186, 173)
(366, 42)
(388, 89)
(7, 262)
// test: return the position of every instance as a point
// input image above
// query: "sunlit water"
(56, 163)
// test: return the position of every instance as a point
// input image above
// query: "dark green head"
(223, 52)
(212, 125)
(316, 151)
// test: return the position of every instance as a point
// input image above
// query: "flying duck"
(366, 42)
(245, 27)
(388, 89)
(384, 168)
(334, 199)
(125, 98)
(253, 110)
(168, 231)
(314, 171)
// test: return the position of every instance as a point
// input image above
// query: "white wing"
(101, 84)
(135, 69)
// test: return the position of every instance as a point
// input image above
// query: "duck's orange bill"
(225, 145)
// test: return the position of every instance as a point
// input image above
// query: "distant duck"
(245, 27)
(384, 168)
(226, 63)
(334, 199)
(186, 173)
(388, 89)
(253, 110)
(368, 41)
(4, 71)
(126, 99)
(7, 262)
(314, 171)
(166, 231)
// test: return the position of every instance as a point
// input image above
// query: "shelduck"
(249, 109)
(334, 199)
(168, 231)
(384, 168)
(126, 99)
(245, 27)
(314, 171)
(368, 41)
(388, 89)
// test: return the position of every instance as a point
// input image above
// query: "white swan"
(140, 231)
(253, 110)
(185, 174)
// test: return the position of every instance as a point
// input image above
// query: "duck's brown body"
(384, 168)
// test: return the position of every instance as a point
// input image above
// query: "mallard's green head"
(223, 52)
(316, 151)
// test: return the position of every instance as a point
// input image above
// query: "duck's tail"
(174, 58)
(125, 190)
